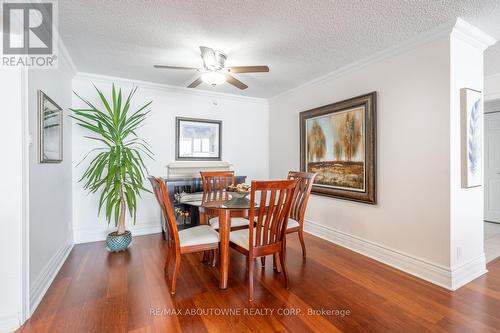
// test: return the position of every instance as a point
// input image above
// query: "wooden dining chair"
(214, 181)
(267, 236)
(195, 239)
(305, 182)
(214, 184)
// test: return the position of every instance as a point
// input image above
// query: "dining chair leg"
(276, 262)
(301, 239)
(214, 255)
(250, 277)
(167, 261)
(283, 266)
(263, 261)
(203, 218)
(176, 272)
(209, 257)
(206, 257)
(218, 255)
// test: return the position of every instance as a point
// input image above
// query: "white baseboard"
(43, 281)
(467, 272)
(92, 235)
(431, 272)
(9, 322)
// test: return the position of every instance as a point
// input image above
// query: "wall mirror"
(50, 130)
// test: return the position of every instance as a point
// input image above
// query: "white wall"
(244, 135)
(50, 184)
(413, 152)
(11, 198)
(422, 215)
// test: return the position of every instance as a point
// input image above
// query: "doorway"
(492, 180)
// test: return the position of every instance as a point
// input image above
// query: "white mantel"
(182, 169)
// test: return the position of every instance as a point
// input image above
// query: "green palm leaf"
(118, 170)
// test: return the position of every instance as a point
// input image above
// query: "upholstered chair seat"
(292, 223)
(235, 222)
(199, 235)
(242, 237)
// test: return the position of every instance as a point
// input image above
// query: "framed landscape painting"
(472, 125)
(338, 142)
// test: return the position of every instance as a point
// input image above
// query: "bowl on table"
(238, 192)
(239, 195)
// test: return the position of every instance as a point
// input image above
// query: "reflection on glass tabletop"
(224, 200)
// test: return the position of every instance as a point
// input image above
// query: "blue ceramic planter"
(117, 243)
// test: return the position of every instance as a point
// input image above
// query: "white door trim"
(487, 216)
(25, 250)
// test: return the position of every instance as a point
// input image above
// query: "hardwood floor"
(126, 292)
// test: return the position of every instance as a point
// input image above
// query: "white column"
(467, 261)
(12, 198)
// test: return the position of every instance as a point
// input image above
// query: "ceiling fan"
(214, 70)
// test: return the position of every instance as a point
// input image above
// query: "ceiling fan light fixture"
(215, 72)
(212, 59)
(213, 78)
(209, 60)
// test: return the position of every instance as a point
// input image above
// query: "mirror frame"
(177, 139)
(41, 159)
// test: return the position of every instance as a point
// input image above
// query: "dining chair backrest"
(305, 182)
(161, 195)
(214, 196)
(271, 215)
(216, 180)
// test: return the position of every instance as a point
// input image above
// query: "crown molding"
(167, 88)
(472, 35)
(64, 53)
(458, 27)
(410, 44)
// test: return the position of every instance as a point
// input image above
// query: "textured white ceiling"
(299, 40)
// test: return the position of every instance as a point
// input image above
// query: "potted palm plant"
(117, 168)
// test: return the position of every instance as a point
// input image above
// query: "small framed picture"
(50, 130)
(471, 128)
(198, 139)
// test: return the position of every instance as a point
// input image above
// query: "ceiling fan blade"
(248, 69)
(175, 67)
(195, 83)
(235, 82)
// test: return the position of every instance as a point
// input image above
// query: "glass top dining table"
(219, 200)
(223, 205)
